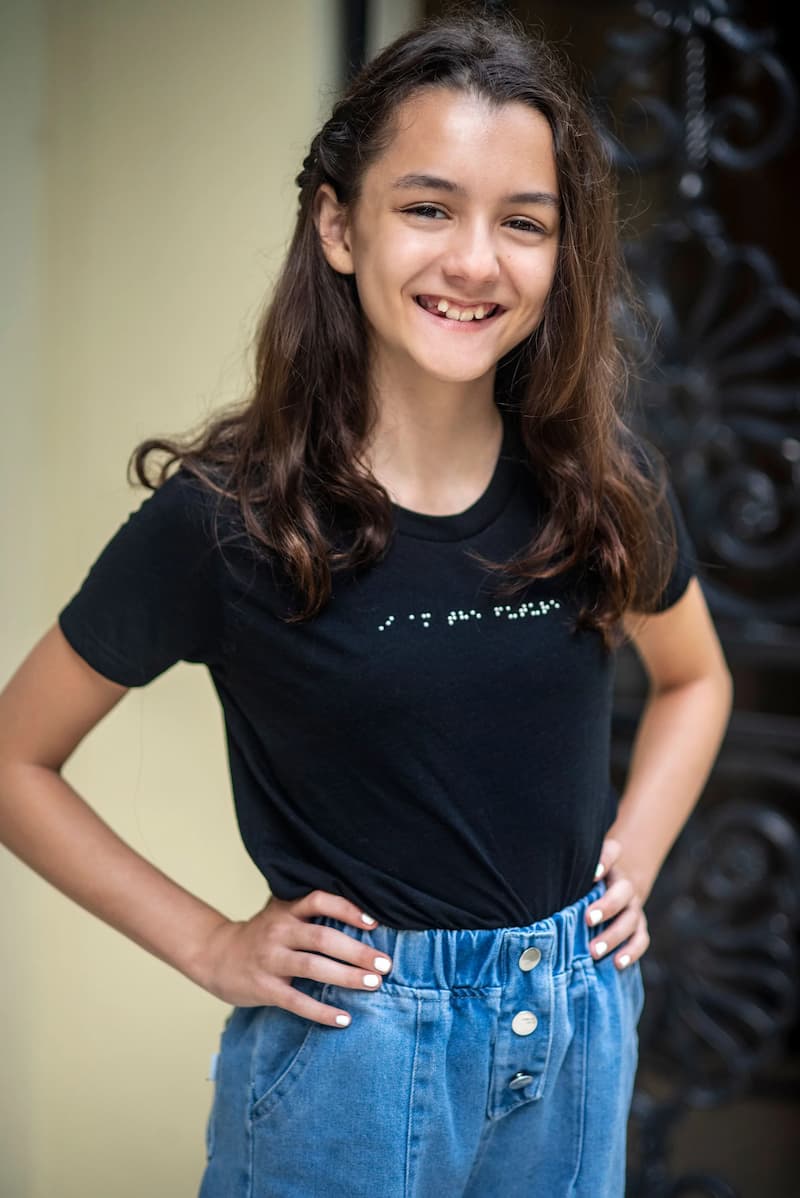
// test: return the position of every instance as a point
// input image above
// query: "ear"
(331, 220)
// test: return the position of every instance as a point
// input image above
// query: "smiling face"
(453, 239)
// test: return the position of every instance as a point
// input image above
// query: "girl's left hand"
(622, 906)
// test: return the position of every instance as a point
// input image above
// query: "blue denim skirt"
(491, 1063)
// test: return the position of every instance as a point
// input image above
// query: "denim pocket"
(283, 1046)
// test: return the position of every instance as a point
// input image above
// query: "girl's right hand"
(252, 963)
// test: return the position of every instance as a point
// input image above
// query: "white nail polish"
(383, 964)
(367, 919)
(624, 960)
(343, 1020)
(600, 948)
(371, 979)
(598, 873)
(595, 917)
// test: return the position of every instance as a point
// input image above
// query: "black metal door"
(699, 102)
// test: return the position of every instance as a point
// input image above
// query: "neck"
(435, 449)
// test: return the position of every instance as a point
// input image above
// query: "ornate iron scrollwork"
(721, 400)
(720, 396)
(721, 979)
(732, 131)
(723, 985)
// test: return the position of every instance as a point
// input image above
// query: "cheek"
(378, 310)
(382, 282)
(539, 276)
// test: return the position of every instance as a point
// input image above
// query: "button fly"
(524, 1022)
(530, 959)
(519, 1080)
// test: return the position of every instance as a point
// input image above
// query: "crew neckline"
(480, 514)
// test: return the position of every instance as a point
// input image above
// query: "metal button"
(519, 1080)
(530, 959)
(524, 1022)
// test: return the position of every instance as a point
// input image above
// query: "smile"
(442, 308)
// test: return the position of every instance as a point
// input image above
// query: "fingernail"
(624, 960)
(600, 948)
(371, 979)
(383, 964)
(343, 1020)
(367, 918)
(595, 916)
(598, 873)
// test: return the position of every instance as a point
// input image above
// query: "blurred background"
(149, 151)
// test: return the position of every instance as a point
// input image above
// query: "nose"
(471, 256)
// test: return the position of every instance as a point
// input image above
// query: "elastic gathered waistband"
(478, 958)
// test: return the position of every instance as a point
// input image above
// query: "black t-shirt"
(436, 755)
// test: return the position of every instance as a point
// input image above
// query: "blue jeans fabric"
(413, 1099)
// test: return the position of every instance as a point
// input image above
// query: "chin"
(458, 372)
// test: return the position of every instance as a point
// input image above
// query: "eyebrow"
(434, 183)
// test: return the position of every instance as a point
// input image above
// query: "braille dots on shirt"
(458, 616)
(453, 617)
(423, 619)
(541, 608)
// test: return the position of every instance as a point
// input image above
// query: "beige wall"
(152, 148)
(23, 579)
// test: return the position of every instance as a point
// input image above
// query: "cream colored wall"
(152, 148)
(23, 578)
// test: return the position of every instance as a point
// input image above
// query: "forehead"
(439, 131)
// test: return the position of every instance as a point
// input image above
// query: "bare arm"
(50, 704)
(679, 733)
(677, 741)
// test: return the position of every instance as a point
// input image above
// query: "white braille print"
(459, 615)
(541, 608)
(456, 614)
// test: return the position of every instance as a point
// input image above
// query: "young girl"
(408, 561)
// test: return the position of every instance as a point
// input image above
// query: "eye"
(525, 226)
(425, 210)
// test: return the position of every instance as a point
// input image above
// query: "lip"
(461, 326)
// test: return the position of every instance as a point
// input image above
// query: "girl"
(407, 561)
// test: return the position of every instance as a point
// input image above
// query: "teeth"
(452, 312)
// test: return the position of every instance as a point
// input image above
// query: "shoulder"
(188, 503)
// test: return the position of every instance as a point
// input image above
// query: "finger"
(322, 902)
(292, 999)
(619, 894)
(321, 969)
(635, 949)
(617, 931)
(330, 942)
(609, 854)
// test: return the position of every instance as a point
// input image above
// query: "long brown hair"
(287, 454)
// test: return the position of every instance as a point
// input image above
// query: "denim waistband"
(444, 958)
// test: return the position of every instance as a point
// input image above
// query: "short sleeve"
(151, 598)
(685, 566)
